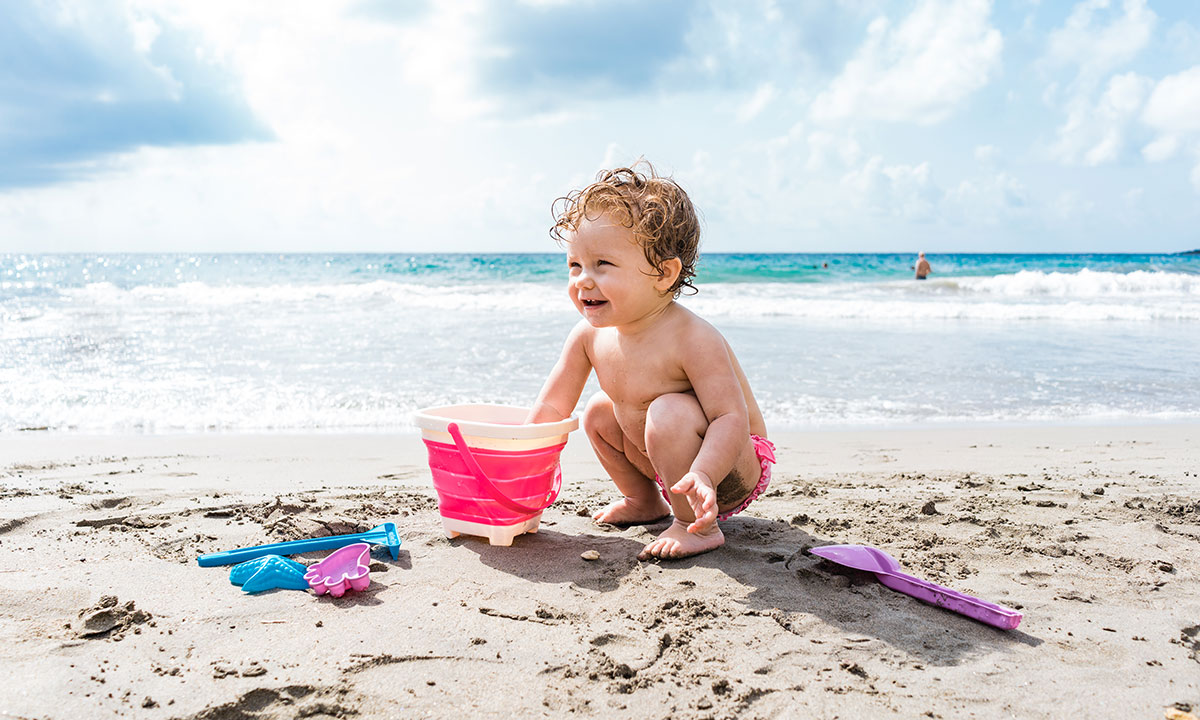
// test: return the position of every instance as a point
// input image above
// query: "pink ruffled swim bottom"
(765, 450)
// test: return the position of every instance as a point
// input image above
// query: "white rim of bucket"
(431, 419)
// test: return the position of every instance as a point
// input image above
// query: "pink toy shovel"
(887, 571)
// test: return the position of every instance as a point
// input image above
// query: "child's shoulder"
(582, 331)
(691, 320)
(690, 326)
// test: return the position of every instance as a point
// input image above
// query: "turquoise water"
(265, 269)
(332, 342)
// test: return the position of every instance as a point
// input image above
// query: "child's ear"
(668, 274)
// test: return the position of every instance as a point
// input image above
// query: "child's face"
(611, 282)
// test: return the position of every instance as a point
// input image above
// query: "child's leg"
(675, 428)
(641, 500)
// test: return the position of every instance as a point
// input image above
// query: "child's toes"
(660, 548)
(651, 550)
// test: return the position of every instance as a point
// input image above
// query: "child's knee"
(598, 414)
(672, 414)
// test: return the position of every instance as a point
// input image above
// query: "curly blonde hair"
(656, 209)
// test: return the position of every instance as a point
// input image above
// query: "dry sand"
(1092, 532)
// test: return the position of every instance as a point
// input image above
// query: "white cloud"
(1098, 37)
(919, 70)
(1183, 39)
(1096, 47)
(145, 32)
(283, 56)
(1161, 148)
(386, 138)
(1071, 205)
(1051, 94)
(902, 190)
(987, 154)
(1096, 134)
(1174, 111)
(757, 103)
(1174, 106)
(829, 151)
(992, 199)
(742, 44)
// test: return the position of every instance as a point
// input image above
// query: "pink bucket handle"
(473, 466)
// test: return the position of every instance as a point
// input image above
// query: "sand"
(1092, 532)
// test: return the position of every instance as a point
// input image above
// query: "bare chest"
(634, 373)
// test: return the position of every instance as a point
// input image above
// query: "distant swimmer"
(922, 268)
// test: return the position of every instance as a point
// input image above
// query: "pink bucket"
(494, 474)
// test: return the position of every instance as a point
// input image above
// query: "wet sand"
(1092, 532)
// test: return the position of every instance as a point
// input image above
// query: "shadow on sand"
(799, 591)
(770, 558)
(549, 556)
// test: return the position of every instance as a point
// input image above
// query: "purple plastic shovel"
(887, 571)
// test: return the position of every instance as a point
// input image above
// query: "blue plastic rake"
(384, 535)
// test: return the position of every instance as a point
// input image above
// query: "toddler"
(675, 411)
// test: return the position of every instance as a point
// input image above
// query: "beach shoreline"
(1091, 531)
(112, 343)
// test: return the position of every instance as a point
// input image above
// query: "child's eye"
(573, 264)
(603, 262)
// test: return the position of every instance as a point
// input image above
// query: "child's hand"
(702, 496)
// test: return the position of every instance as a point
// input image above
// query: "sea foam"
(353, 343)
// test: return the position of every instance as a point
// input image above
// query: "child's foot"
(677, 542)
(631, 511)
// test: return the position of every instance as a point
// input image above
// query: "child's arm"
(563, 387)
(710, 371)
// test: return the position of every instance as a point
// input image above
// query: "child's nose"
(582, 279)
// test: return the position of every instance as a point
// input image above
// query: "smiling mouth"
(594, 303)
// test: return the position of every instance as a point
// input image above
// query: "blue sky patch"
(76, 89)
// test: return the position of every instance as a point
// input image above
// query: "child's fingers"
(688, 483)
(701, 497)
(703, 521)
(704, 505)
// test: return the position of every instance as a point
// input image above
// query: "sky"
(415, 125)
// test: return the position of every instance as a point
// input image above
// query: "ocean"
(244, 343)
